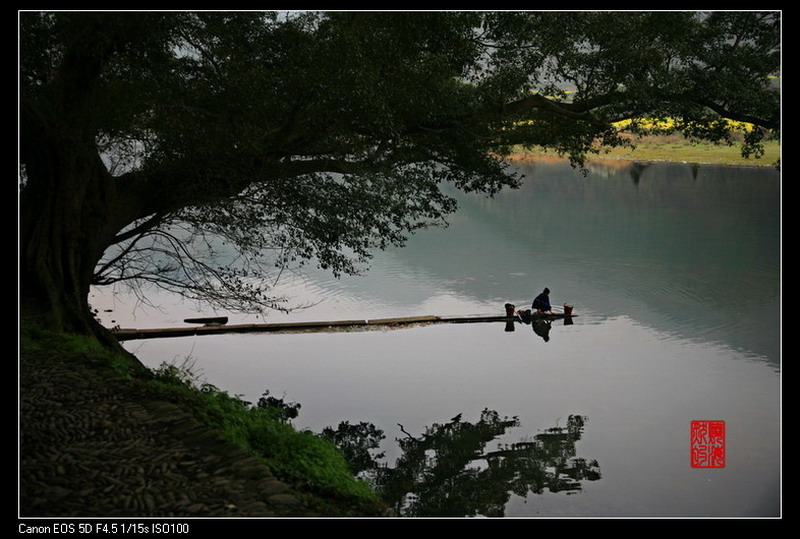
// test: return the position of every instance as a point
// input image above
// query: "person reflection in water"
(541, 304)
(542, 329)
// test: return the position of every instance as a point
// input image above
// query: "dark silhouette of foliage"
(358, 443)
(447, 471)
(285, 411)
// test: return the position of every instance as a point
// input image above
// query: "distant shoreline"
(668, 149)
(523, 157)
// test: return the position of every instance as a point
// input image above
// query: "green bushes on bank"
(301, 458)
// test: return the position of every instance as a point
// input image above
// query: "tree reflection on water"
(446, 471)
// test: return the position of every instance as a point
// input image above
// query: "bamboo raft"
(218, 326)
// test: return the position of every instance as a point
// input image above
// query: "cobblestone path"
(91, 446)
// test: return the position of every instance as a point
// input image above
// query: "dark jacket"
(542, 302)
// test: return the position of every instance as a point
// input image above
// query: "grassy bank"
(311, 464)
(676, 148)
(314, 468)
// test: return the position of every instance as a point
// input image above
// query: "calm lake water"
(674, 272)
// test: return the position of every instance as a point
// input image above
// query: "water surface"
(674, 272)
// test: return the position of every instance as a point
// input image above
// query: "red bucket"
(567, 310)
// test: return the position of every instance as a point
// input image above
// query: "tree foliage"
(208, 152)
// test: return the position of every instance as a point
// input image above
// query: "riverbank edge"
(523, 158)
(96, 441)
(532, 157)
(655, 148)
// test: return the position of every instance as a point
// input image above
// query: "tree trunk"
(66, 223)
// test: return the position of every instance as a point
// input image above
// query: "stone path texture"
(91, 446)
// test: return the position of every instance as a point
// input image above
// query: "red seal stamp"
(707, 444)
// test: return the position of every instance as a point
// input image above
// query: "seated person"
(542, 302)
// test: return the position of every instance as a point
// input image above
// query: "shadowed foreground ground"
(92, 446)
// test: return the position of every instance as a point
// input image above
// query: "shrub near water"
(301, 458)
